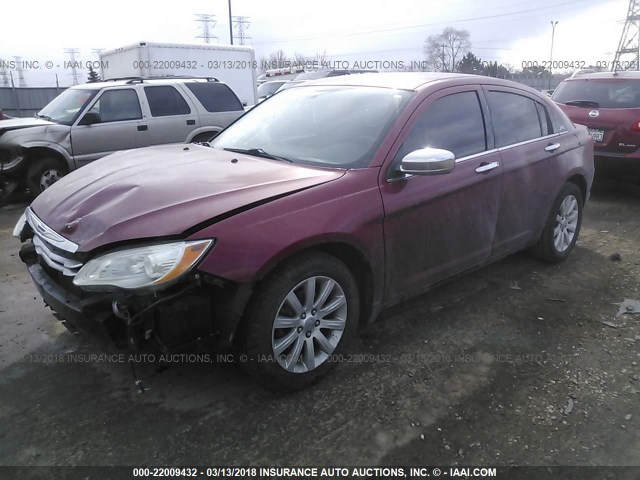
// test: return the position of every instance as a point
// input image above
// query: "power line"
(207, 23)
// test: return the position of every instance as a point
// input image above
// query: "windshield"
(331, 126)
(269, 88)
(599, 93)
(65, 107)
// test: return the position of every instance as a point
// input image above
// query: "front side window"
(118, 106)
(164, 100)
(515, 118)
(453, 123)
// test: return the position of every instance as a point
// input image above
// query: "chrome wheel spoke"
(285, 322)
(324, 343)
(309, 354)
(294, 302)
(309, 293)
(333, 306)
(337, 324)
(295, 353)
(285, 342)
(327, 288)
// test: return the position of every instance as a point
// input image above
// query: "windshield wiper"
(45, 117)
(259, 152)
(582, 103)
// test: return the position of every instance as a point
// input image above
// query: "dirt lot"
(519, 363)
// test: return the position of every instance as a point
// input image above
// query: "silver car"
(87, 122)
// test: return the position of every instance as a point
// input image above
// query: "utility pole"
(629, 46)
(230, 24)
(72, 62)
(208, 22)
(553, 32)
(242, 25)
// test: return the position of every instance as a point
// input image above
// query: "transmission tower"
(207, 23)
(4, 75)
(20, 70)
(242, 25)
(73, 63)
(629, 46)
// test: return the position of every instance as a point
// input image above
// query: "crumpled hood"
(162, 191)
(16, 123)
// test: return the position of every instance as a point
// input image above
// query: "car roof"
(607, 75)
(134, 81)
(404, 80)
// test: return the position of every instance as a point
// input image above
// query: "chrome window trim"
(48, 234)
(506, 147)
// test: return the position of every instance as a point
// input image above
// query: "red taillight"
(635, 126)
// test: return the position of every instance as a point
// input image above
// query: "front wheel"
(42, 174)
(563, 226)
(300, 319)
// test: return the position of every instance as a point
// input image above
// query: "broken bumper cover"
(92, 315)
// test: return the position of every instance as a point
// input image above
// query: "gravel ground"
(520, 363)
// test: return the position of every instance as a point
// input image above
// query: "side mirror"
(428, 161)
(90, 118)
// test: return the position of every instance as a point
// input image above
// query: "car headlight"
(151, 267)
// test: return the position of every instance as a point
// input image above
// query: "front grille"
(53, 249)
(67, 266)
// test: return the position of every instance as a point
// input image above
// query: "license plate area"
(597, 135)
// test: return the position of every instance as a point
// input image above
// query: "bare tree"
(444, 51)
(278, 59)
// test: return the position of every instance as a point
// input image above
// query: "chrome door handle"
(487, 167)
(552, 148)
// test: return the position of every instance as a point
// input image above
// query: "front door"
(121, 126)
(438, 225)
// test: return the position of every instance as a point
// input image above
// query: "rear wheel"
(563, 226)
(42, 174)
(299, 320)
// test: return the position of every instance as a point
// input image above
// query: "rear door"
(172, 116)
(439, 225)
(219, 105)
(533, 168)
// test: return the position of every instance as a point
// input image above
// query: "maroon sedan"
(608, 104)
(320, 207)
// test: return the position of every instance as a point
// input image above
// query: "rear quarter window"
(215, 97)
(515, 118)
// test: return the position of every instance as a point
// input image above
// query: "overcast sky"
(506, 31)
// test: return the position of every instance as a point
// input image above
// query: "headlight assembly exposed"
(150, 267)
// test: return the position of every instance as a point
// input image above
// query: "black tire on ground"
(257, 333)
(545, 249)
(42, 173)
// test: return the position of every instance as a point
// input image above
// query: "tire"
(42, 174)
(306, 348)
(562, 227)
(204, 137)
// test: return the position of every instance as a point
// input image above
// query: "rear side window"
(515, 118)
(165, 100)
(215, 97)
(453, 123)
(607, 93)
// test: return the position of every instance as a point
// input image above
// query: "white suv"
(89, 121)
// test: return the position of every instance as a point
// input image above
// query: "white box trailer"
(233, 65)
